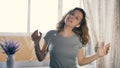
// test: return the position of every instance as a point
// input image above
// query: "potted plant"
(9, 47)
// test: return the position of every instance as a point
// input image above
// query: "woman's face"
(73, 18)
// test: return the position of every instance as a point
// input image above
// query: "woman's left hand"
(106, 49)
(102, 51)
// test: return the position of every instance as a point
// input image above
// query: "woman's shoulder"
(51, 32)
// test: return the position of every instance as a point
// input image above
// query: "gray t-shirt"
(63, 51)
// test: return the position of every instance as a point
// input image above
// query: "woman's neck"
(67, 32)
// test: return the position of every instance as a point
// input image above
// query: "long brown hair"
(82, 31)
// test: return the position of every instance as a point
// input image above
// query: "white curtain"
(102, 26)
(116, 37)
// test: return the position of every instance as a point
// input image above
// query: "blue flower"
(9, 46)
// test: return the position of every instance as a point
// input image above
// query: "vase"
(10, 61)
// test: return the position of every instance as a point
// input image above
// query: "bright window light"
(13, 15)
(44, 15)
(70, 4)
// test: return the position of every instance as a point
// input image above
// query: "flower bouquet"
(10, 47)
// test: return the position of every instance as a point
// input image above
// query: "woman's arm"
(40, 52)
(82, 60)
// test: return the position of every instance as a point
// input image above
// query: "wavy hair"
(81, 31)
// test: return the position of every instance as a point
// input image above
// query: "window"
(13, 15)
(69, 4)
(44, 15)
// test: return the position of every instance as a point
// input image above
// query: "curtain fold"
(101, 20)
(116, 37)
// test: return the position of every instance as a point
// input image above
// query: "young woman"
(66, 43)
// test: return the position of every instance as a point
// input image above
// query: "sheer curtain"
(102, 26)
(116, 37)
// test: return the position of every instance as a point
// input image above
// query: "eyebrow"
(78, 15)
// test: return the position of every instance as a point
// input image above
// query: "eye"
(77, 18)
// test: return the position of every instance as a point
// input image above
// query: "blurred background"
(19, 18)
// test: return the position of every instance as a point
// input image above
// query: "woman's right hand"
(36, 36)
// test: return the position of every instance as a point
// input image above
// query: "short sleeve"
(80, 44)
(47, 37)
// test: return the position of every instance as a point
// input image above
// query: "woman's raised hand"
(36, 36)
(102, 51)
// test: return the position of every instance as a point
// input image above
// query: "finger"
(101, 45)
(40, 33)
(108, 45)
(107, 48)
(106, 52)
(35, 33)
